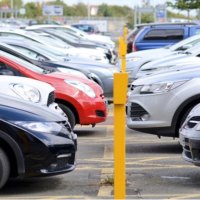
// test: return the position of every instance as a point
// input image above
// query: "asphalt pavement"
(154, 170)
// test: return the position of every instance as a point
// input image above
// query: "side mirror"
(6, 72)
(187, 46)
(40, 58)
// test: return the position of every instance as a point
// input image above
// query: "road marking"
(108, 154)
(187, 196)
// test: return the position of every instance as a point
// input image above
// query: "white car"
(188, 57)
(92, 54)
(136, 60)
(76, 31)
(31, 90)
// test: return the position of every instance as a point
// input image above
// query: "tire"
(183, 119)
(4, 168)
(70, 115)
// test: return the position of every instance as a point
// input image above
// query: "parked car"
(55, 44)
(75, 31)
(29, 132)
(81, 100)
(189, 137)
(138, 27)
(159, 104)
(189, 56)
(137, 60)
(28, 89)
(41, 60)
(56, 34)
(157, 37)
(88, 28)
(31, 51)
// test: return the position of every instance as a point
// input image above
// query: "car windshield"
(64, 35)
(46, 48)
(22, 62)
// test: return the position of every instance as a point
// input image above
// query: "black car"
(34, 141)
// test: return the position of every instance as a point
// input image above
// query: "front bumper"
(93, 112)
(191, 149)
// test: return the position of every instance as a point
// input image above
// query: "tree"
(185, 5)
(104, 10)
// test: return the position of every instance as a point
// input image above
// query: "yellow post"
(120, 89)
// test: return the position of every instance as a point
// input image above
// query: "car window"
(164, 34)
(197, 31)
(22, 62)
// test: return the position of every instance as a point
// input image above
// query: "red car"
(81, 99)
(88, 28)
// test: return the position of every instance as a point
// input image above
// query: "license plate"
(182, 140)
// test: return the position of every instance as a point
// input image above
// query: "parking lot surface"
(154, 169)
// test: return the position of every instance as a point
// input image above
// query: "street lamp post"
(11, 6)
(88, 9)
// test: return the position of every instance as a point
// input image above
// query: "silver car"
(159, 104)
(135, 60)
(190, 137)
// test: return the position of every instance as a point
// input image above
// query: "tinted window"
(164, 34)
(197, 31)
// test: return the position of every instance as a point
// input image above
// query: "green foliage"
(104, 10)
(108, 181)
(81, 10)
(31, 10)
(185, 5)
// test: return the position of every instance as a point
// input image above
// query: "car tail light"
(135, 48)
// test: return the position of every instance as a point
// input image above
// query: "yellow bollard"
(120, 90)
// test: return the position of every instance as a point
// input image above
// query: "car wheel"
(70, 115)
(4, 168)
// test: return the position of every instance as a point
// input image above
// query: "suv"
(131, 36)
(156, 37)
(159, 104)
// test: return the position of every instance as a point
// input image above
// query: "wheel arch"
(14, 150)
(71, 106)
(182, 109)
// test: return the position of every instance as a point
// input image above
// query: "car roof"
(165, 24)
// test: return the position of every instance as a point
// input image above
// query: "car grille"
(193, 121)
(137, 110)
(61, 163)
(100, 113)
(51, 98)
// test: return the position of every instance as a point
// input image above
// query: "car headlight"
(44, 127)
(102, 50)
(161, 87)
(95, 57)
(72, 72)
(159, 68)
(132, 59)
(26, 92)
(81, 86)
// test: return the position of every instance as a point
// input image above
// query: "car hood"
(171, 61)
(169, 76)
(152, 52)
(64, 76)
(20, 110)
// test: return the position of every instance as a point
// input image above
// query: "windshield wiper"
(47, 71)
